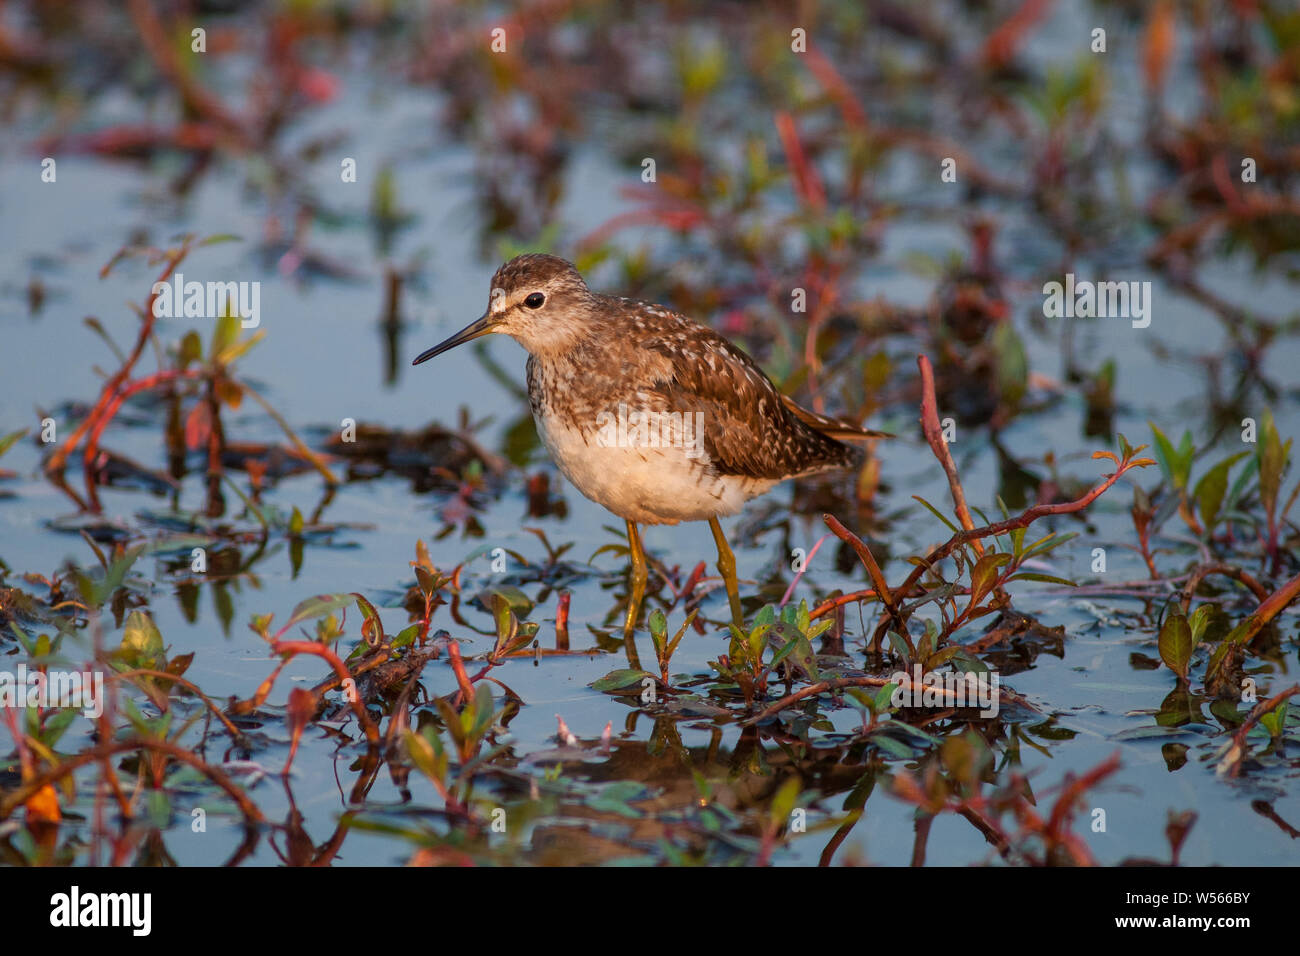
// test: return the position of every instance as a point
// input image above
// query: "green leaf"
(658, 625)
(754, 647)
(612, 548)
(428, 581)
(1216, 660)
(451, 719)
(57, 724)
(1151, 732)
(968, 663)
(737, 646)
(935, 511)
(1176, 644)
(371, 615)
(620, 679)
(939, 658)
(820, 628)
(1012, 364)
(142, 643)
(788, 649)
(1240, 484)
(318, 606)
(784, 799)
(985, 574)
(405, 636)
(426, 752)
(803, 618)
(7, 441)
(1048, 544)
(1272, 462)
(1175, 463)
(1212, 487)
(677, 638)
(1199, 621)
(483, 711)
(160, 807)
(518, 602)
(892, 746)
(1186, 452)
(239, 347)
(1045, 578)
(1275, 720)
(225, 334)
(116, 573)
(929, 641)
(217, 239)
(253, 509)
(137, 719)
(191, 349)
(616, 798)
(1238, 635)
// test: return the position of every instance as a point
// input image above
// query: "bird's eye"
(535, 300)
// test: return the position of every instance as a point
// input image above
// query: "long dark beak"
(480, 326)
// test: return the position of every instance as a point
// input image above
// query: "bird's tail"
(835, 428)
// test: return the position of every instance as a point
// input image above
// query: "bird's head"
(540, 301)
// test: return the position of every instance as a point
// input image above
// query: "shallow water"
(325, 357)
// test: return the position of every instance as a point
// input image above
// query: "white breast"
(648, 485)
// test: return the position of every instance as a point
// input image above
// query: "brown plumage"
(591, 355)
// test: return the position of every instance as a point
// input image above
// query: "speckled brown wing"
(748, 429)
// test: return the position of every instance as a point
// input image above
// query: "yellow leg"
(636, 592)
(727, 568)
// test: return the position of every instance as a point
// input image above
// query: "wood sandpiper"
(648, 413)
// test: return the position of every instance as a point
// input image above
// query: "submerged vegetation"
(419, 687)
